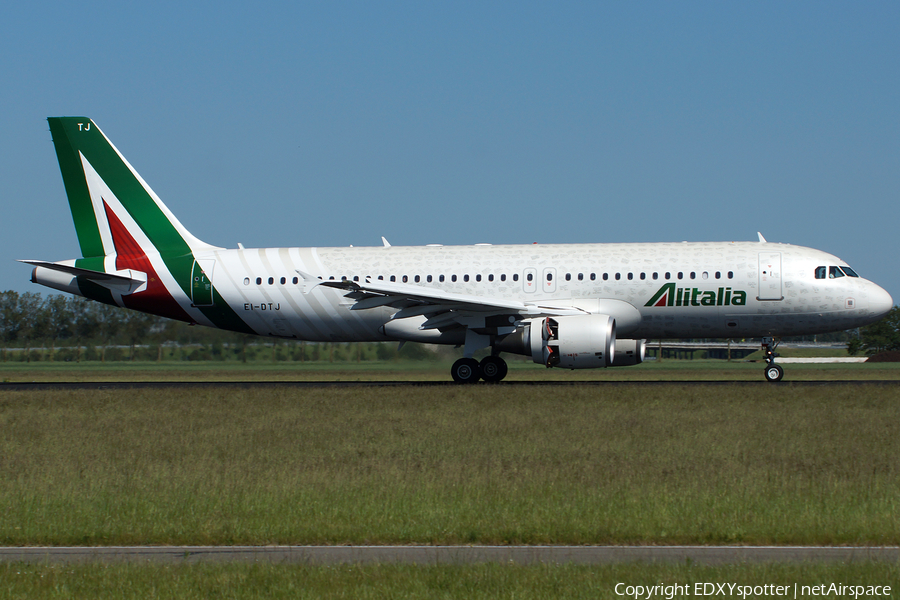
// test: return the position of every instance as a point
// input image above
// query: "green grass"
(666, 464)
(519, 370)
(122, 582)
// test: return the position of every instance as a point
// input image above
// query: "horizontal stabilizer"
(119, 276)
(126, 282)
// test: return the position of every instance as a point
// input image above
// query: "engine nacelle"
(629, 352)
(576, 342)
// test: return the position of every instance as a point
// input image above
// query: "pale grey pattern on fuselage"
(808, 305)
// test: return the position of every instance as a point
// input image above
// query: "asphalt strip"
(37, 386)
(452, 555)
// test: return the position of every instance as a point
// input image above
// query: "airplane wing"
(441, 308)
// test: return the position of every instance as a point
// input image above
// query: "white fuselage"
(715, 289)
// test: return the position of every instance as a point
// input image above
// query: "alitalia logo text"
(669, 295)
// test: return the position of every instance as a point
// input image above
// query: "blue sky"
(334, 123)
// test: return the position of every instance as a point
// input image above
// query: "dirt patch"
(892, 356)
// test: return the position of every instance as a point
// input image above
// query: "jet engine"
(574, 342)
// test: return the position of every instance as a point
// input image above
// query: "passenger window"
(704, 275)
(428, 279)
(271, 280)
(668, 275)
(246, 281)
(515, 276)
(834, 273)
(820, 272)
(593, 277)
(693, 275)
(643, 276)
(503, 277)
(730, 274)
(618, 276)
(581, 277)
(441, 279)
(465, 277)
(718, 274)
(259, 281)
(568, 277)
(405, 278)
(453, 278)
(295, 281)
(529, 277)
(491, 277)
(549, 276)
(417, 279)
(655, 275)
(381, 278)
(680, 275)
(478, 277)
(630, 277)
(606, 277)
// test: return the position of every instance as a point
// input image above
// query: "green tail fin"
(102, 186)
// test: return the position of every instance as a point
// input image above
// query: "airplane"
(574, 306)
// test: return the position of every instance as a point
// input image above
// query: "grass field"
(123, 582)
(666, 370)
(666, 464)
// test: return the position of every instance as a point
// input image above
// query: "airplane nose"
(880, 302)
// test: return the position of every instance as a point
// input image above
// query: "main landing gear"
(468, 370)
(773, 372)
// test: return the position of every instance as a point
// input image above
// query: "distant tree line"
(883, 336)
(71, 328)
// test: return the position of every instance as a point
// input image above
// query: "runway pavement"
(430, 555)
(133, 385)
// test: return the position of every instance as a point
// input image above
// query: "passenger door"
(770, 276)
(201, 282)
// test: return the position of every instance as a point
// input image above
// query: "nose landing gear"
(773, 372)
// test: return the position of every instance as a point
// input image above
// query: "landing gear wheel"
(774, 372)
(466, 370)
(493, 368)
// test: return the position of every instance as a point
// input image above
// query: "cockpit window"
(850, 272)
(821, 272)
(834, 273)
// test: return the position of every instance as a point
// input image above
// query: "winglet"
(386, 243)
(762, 240)
(310, 282)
